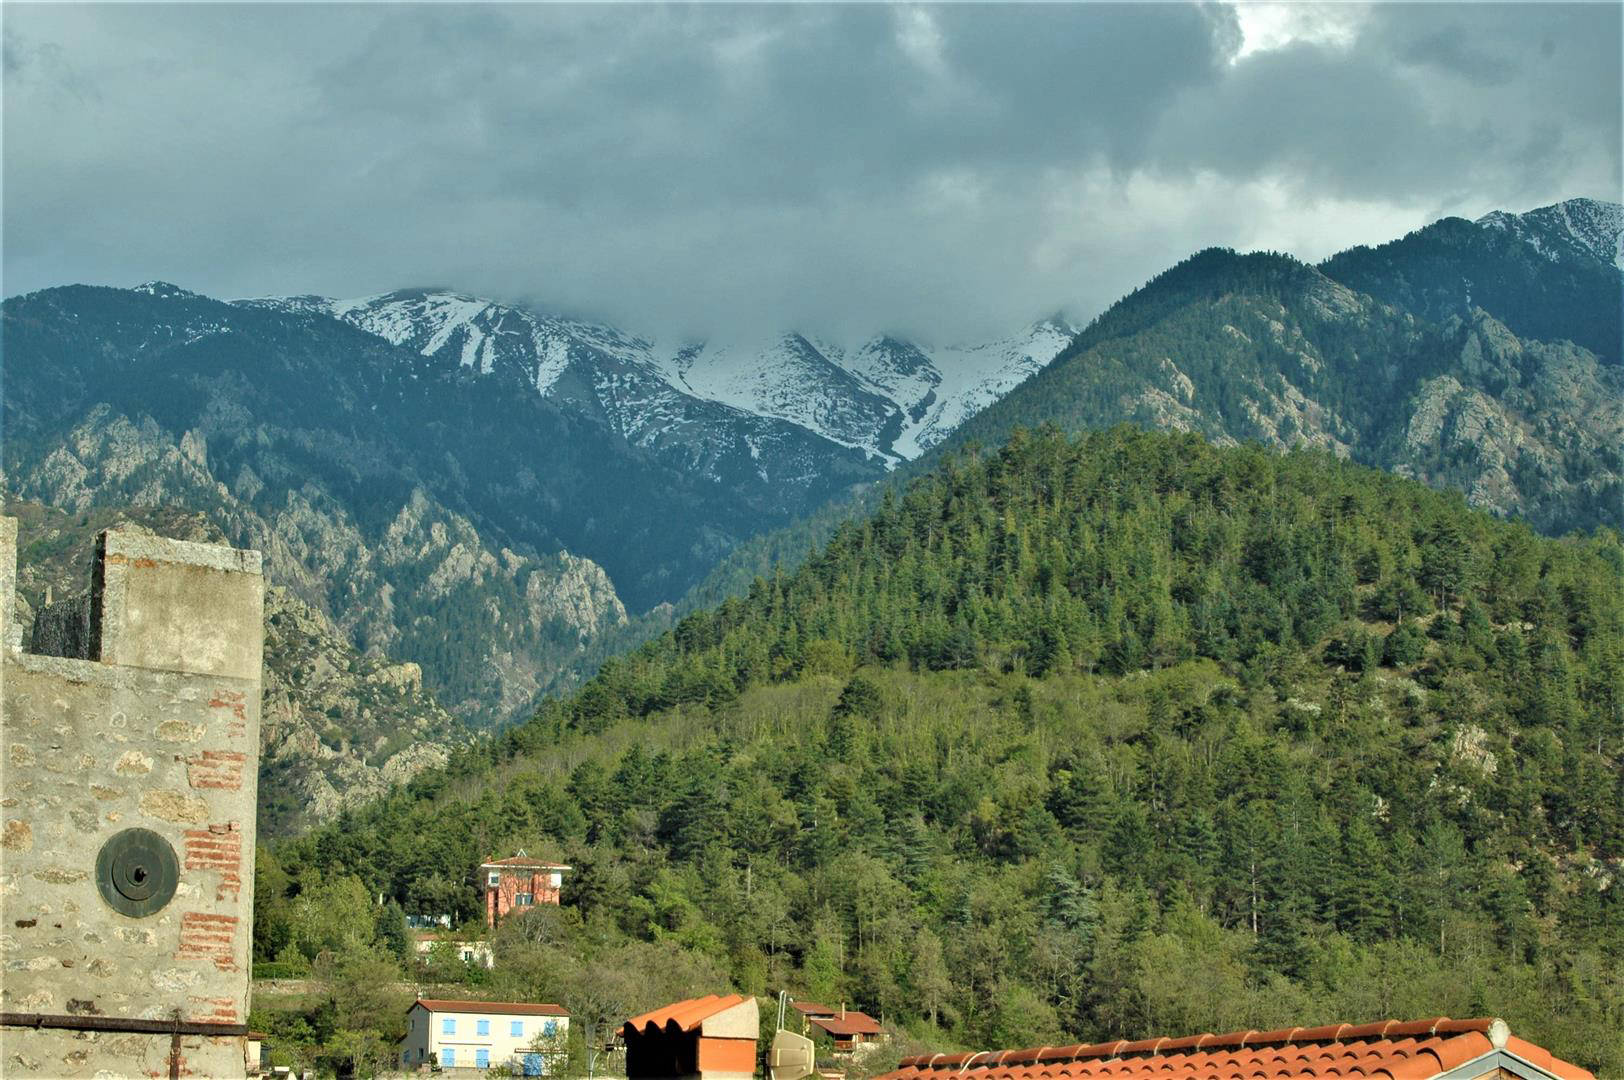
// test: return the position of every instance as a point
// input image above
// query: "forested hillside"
(1480, 357)
(1074, 740)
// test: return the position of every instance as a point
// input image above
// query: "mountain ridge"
(884, 396)
(1076, 735)
(1264, 347)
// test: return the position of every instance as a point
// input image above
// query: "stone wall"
(154, 727)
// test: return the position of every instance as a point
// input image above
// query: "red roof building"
(709, 1038)
(518, 883)
(847, 1028)
(1437, 1049)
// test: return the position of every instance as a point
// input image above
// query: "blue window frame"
(448, 1058)
(517, 1029)
(482, 1059)
(448, 1025)
(482, 1027)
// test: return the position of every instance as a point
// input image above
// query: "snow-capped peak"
(165, 290)
(1590, 226)
(888, 397)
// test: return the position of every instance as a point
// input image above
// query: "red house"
(517, 883)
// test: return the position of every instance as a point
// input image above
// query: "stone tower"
(129, 747)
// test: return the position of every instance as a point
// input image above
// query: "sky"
(949, 172)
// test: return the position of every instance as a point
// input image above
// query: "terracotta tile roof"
(686, 1015)
(852, 1023)
(502, 1008)
(812, 1008)
(1388, 1049)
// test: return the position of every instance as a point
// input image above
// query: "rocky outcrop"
(1263, 348)
(336, 727)
(398, 590)
(1524, 428)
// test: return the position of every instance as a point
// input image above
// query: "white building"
(529, 1039)
(468, 951)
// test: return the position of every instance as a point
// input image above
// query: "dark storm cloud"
(938, 170)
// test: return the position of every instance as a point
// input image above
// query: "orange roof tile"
(812, 1008)
(502, 1008)
(686, 1015)
(852, 1023)
(1388, 1050)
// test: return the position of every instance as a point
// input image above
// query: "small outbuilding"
(708, 1038)
(847, 1028)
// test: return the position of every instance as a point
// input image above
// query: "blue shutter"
(483, 1027)
(518, 1029)
(448, 1058)
(448, 1026)
(482, 1058)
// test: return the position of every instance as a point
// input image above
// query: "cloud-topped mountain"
(476, 487)
(887, 398)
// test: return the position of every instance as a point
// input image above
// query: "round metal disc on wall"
(136, 871)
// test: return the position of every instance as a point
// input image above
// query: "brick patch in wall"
(218, 848)
(212, 1010)
(237, 703)
(209, 936)
(220, 769)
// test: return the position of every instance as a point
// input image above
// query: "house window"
(482, 1059)
(517, 1030)
(483, 1027)
(448, 1026)
(467, 956)
(494, 879)
(448, 1058)
(525, 899)
(550, 1028)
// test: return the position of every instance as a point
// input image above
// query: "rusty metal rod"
(128, 1025)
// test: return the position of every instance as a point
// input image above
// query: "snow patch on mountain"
(1589, 226)
(886, 397)
(789, 378)
(975, 376)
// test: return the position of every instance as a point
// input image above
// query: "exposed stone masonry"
(149, 720)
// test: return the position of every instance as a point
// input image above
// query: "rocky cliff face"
(1523, 428)
(394, 590)
(336, 728)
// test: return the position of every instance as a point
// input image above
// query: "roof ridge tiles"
(1395, 1049)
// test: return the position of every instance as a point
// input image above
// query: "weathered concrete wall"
(160, 731)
